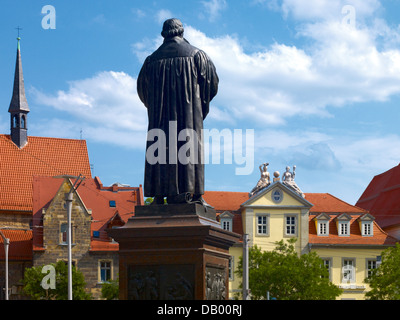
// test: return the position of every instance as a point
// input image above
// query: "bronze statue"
(176, 84)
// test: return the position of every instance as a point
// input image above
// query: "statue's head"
(172, 28)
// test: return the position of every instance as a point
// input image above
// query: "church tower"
(19, 105)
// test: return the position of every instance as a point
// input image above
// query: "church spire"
(19, 105)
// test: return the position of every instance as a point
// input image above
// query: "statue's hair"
(172, 28)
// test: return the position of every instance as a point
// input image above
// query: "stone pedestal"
(173, 252)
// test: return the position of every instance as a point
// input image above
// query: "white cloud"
(163, 15)
(213, 8)
(343, 65)
(106, 105)
(325, 9)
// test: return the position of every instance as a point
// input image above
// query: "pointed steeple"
(19, 105)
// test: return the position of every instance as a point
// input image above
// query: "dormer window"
(366, 223)
(226, 219)
(322, 224)
(343, 225)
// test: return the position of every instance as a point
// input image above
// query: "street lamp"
(69, 199)
(6, 245)
(246, 267)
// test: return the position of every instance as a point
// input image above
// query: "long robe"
(176, 84)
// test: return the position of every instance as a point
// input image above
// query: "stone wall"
(85, 260)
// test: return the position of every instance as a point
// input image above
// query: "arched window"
(15, 121)
(23, 122)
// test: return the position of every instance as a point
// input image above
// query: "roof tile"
(42, 157)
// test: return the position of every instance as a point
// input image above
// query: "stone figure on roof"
(288, 179)
(264, 181)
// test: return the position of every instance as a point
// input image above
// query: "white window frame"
(327, 262)
(264, 223)
(226, 224)
(290, 225)
(367, 228)
(348, 270)
(368, 268)
(231, 269)
(344, 228)
(325, 225)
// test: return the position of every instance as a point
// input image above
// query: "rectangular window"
(262, 225)
(105, 271)
(64, 233)
(348, 271)
(327, 265)
(371, 265)
(344, 228)
(323, 228)
(226, 224)
(367, 228)
(231, 270)
(291, 225)
(112, 203)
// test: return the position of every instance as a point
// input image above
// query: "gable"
(59, 199)
(226, 215)
(275, 195)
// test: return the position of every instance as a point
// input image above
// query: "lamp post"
(245, 266)
(69, 199)
(6, 245)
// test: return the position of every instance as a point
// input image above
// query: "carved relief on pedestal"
(161, 282)
(215, 283)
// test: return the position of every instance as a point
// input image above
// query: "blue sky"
(318, 83)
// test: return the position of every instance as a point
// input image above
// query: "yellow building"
(346, 237)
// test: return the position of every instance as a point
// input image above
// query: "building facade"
(95, 209)
(347, 238)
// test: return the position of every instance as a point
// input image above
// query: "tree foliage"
(385, 280)
(110, 290)
(286, 275)
(33, 283)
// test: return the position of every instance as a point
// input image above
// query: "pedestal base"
(173, 252)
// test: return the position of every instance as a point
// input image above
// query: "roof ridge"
(48, 138)
(361, 209)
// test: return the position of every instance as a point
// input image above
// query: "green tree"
(110, 290)
(33, 283)
(286, 275)
(385, 280)
(149, 201)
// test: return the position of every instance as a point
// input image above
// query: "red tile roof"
(325, 202)
(41, 156)
(225, 200)
(20, 245)
(95, 197)
(329, 204)
(382, 197)
(228, 201)
(355, 238)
